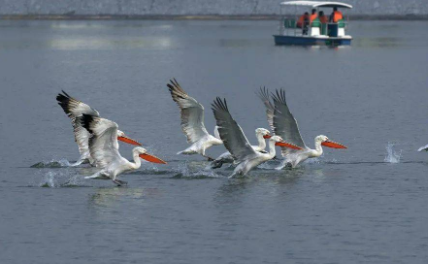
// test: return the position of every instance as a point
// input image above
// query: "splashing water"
(392, 156)
(52, 164)
(49, 180)
(194, 171)
(59, 179)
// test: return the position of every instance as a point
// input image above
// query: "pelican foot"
(120, 183)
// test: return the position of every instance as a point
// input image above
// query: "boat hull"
(298, 40)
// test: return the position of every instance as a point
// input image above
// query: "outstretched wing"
(270, 108)
(231, 133)
(74, 109)
(192, 113)
(423, 148)
(284, 123)
(103, 144)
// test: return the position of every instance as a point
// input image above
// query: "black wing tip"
(220, 104)
(64, 100)
(263, 93)
(86, 121)
(279, 96)
(175, 89)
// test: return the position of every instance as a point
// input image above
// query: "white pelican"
(226, 157)
(285, 125)
(192, 122)
(237, 143)
(103, 147)
(423, 148)
(74, 109)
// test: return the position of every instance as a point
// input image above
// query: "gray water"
(349, 206)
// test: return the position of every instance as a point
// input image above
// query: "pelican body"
(285, 125)
(76, 109)
(103, 147)
(192, 122)
(261, 134)
(237, 143)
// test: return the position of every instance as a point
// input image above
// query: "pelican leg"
(79, 162)
(96, 175)
(215, 164)
(119, 182)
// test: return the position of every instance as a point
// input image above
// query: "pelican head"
(124, 138)
(325, 141)
(142, 153)
(321, 138)
(264, 132)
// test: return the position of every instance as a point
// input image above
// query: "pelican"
(192, 122)
(226, 157)
(103, 147)
(237, 143)
(285, 125)
(423, 148)
(75, 109)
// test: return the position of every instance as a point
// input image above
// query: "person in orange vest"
(323, 18)
(303, 19)
(313, 16)
(336, 15)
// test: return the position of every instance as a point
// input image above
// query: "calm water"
(345, 207)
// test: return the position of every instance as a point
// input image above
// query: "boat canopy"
(315, 4)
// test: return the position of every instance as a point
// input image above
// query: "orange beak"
(267, 136)
(152, 158)
(332, 144)
(129, 141)
(287, 145)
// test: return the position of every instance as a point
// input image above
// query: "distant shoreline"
(194, 17)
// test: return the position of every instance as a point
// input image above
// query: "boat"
(298, 29)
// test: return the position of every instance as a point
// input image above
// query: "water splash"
(62, 163)
(194, 170)
(392, 156)
(59, 179)
(49, 180)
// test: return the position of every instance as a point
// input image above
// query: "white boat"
(309, 29)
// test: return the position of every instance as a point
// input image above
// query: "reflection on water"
(102, 43)
(109, 196)
(377, 42)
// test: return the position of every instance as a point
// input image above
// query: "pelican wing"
(284, 123)
(103, 144)
(423, 148)
(270, 108)
(74, 109)
(192, 113)
(231, 133)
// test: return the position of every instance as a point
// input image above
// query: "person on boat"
(323, 18)
(313, 16)
(336, 15)
(303, 23)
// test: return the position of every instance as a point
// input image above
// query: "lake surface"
(359, 205)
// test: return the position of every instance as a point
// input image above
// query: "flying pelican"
(74, 109)
(226, 157)
(237, 143)
(103, 147)
(285, 125)
(192, 122)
